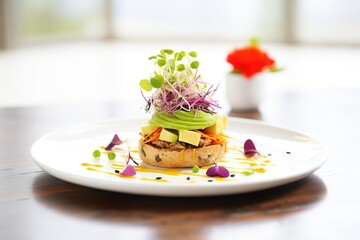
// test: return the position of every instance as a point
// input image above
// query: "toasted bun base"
(166, 157)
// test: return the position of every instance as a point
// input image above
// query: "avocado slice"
(168, 135)
(147, 128)
(219, 125)
(190, 137)
(217, 128)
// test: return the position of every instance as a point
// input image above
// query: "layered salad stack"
(184, 129)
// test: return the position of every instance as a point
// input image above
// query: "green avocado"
(190, 137)
(187, 120)
(219, 125)
(146, 128)
(168, 135)
(217, 128)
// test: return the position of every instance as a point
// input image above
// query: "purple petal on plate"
(223, 172)
(217, 171)
(250, 149)
(115, 141)
(129, 170)
(212, 171)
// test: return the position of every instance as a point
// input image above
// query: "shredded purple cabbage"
(180, 96)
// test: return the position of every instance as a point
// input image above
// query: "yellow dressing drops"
(154, 180)
(109, 173)
(259, 170)
(167, 171)
(92, 165)
(221, 179)
(193, 174)
(234, 161)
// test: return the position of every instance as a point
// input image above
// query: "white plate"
(287, 156)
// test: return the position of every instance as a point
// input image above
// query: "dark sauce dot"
(188, 178)
(117, 171)
(210, 180)
(232, 175)
(158, 178)
(269, 154)
(288, 152)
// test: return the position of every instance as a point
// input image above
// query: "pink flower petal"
(129, 170)
(115, 141)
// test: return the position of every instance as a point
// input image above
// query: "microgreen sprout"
(217, 170)
(250, 149)
(177, 84)
(129, 170)
(130, 158)
(115, 141)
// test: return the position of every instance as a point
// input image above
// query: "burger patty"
(180, 145)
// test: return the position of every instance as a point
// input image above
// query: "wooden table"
(325, 205)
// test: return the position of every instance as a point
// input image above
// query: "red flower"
(249, 61)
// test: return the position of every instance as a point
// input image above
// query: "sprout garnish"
(177, 84)
(250, 149)
(115, 141)
(217, 170)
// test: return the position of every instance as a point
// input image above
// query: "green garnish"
(157, 81)
(249, 171)
(184, 120)
(177, 85)
(111, 156)
(195, 169)
(168, 66)
(145, 84)
(96, 154)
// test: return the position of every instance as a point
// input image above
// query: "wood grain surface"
(325, 205)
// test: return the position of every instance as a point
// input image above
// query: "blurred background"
(67, 51)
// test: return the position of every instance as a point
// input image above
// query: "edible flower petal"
(250, 149)
(115, 141)
(129, 170)
(217, 171)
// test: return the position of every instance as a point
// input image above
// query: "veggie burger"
(184, 129)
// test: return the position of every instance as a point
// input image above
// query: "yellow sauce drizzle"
(181, 156)
(259, 170)
(154, 180)
(230, 162)
(109, 173)
(167, 171)
(92, 165)
(118, 165)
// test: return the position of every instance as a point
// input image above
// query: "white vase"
(244, 94)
